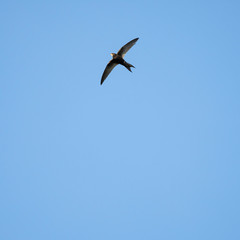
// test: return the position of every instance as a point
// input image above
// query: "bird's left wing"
(107, 70)
(126, 47)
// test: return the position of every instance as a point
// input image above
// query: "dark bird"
(118, 59)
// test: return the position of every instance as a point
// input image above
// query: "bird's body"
(118, 59)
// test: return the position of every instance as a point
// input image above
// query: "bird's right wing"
(126, 47)
(107, 70)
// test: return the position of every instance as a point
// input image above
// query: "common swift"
(118, 59)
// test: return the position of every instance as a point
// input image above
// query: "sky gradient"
(153, 154)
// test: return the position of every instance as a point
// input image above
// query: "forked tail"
(128, 66)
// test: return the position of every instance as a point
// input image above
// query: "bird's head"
(113, 54)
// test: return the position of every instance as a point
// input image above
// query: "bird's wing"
(126, 47)
(107, 70)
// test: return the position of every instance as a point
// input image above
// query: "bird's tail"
(128, 66)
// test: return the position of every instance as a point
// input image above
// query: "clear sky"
(153, 154)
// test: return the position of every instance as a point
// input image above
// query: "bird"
(118, 59)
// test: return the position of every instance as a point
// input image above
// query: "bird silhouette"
(118, 59)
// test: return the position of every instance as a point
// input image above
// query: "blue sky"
(152, 154)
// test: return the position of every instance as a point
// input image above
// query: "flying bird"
(118, 59)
